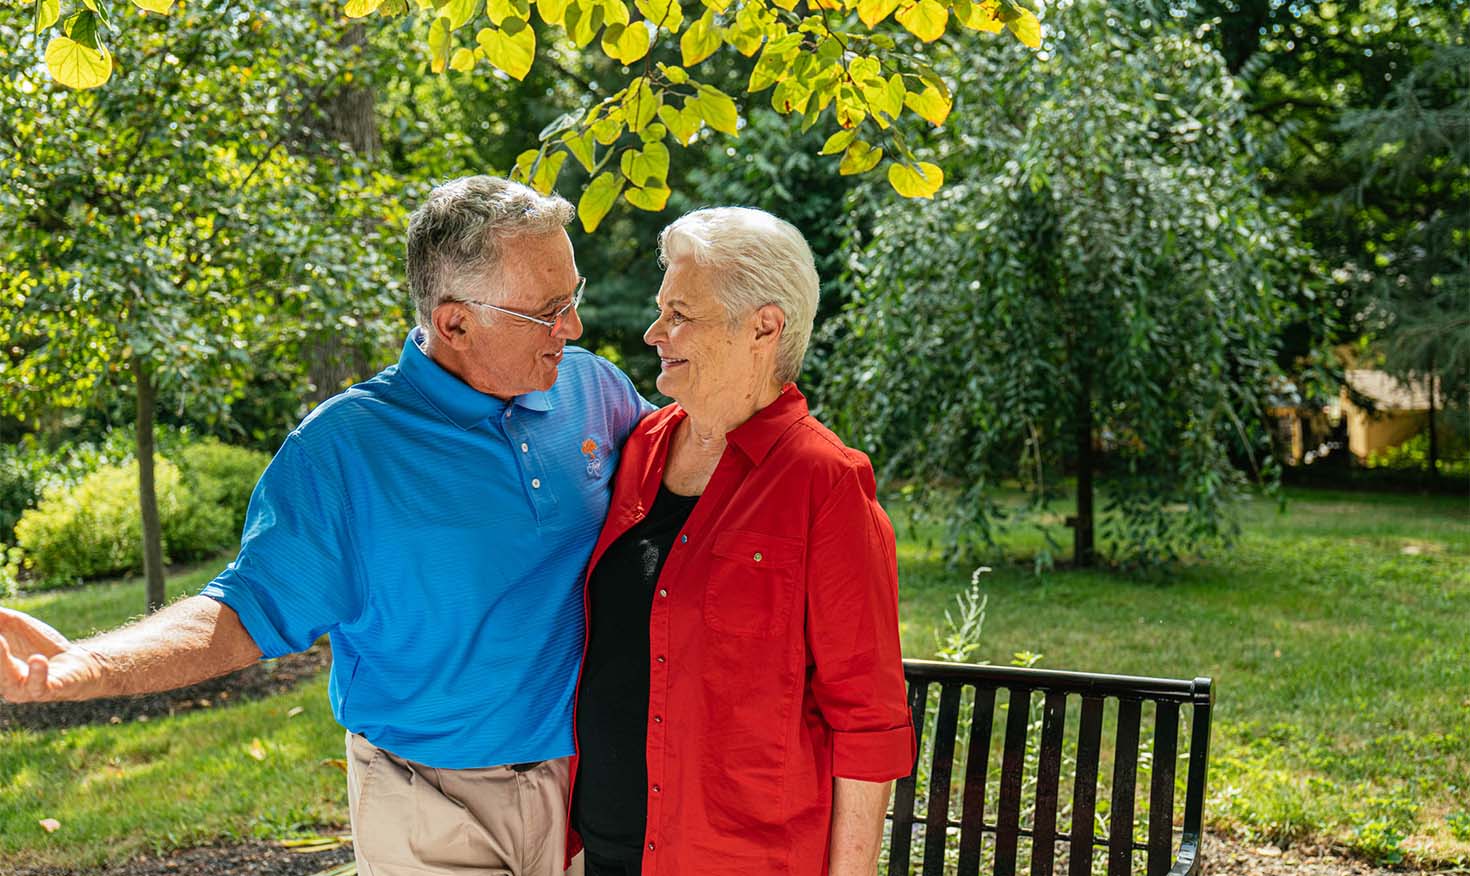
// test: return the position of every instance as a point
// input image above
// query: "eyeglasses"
(557, 320)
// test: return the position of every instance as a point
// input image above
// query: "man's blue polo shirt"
(440, 536)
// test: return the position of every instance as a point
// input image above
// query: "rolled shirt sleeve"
(852, 634)
(296, 577)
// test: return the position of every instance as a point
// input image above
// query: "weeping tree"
(1094, 294)
(166, 238)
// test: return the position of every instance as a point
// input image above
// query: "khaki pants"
(412, 820)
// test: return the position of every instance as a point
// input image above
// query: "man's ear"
(770, 321)
(448, 324)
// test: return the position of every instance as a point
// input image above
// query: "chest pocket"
(752, 583)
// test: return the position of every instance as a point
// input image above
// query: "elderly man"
(435, 522)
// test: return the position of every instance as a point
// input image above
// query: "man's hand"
(38, 664)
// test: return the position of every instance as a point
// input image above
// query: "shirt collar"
(757, 435)
(461, 403)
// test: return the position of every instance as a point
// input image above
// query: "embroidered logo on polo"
(595, 455)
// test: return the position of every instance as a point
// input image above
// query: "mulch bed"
(251, 859)
(260, 680)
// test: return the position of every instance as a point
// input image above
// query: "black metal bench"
(1044, 845)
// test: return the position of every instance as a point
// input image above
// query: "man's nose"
(570, 327)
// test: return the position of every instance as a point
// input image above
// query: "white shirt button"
(525, 448)
(535, 483)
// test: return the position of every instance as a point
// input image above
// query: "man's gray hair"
(460, 232)
(757, 259)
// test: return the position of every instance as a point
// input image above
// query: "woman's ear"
(770, 321)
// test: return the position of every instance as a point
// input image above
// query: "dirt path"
(1226, 858)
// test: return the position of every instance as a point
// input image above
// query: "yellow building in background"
(1402, 411)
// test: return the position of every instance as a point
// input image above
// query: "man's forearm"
(857, 826)
(188, 642)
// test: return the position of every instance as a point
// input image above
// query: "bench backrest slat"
(1161, 794)
(972, 817)
(937, 824)
(1125, 782)
(1048, 774)
(1084, 787)
(1012, 768)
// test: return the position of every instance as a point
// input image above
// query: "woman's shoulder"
(811, 445)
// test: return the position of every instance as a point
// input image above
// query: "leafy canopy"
(866, 60)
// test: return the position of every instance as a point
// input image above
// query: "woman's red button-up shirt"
(774, 653)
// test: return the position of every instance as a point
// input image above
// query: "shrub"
(94, 528)
(222, 476)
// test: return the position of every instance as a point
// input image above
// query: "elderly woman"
(741, 708)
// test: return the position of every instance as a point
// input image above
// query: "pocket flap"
(758, 549)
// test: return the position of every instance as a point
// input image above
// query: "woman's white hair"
(757, 259)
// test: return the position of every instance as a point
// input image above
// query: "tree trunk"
(147, 489)
(1433, 428)
(1083, 552)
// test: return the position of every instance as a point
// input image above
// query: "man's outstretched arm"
(192, 640)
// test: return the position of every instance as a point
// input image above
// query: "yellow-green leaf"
(439, 44)
(75, 65)
(47, 11)
(851, 110)
(860, 157)
(921, 181)
(982, 16)
(791, 96)
(609, 128)
(838, 142)
(522, 171)
(597, 199)
(582, 148)
(666, 14)
(500, 10)
(626, 43)
(654, 132)
(716, 108)
(161, 7)
(640, 104)
(582, 22)
(929, 104)
(684, 124)
(675, 75)
(359, 8)
(512, 53)
(459, 12)
(650, 164)
(748, 32)
(1026, 28)
(651, 198)
(462, 61)
(615, 12)
(552, 11)
(700, 40)
(925, 19)
(874, 11)
(544, 179)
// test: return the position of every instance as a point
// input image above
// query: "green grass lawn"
(1336, 633)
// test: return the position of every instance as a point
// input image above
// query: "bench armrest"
(1187, 864)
